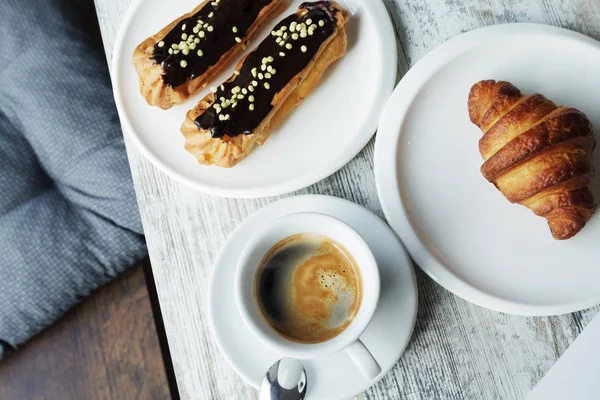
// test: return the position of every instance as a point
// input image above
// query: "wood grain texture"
(459, 350)
(106, 348)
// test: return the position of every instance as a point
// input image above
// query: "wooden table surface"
(458, 350)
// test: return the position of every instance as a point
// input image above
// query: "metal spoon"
(285, 380)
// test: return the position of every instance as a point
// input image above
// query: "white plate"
(316, 139)
(458, 228)
(333, 377)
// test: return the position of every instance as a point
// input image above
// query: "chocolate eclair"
(275, 77)
(182, 58)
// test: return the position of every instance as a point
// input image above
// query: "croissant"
(536, 153)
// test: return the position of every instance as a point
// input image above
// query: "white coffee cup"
(349, 339)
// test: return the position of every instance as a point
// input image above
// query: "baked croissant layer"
(538, 154)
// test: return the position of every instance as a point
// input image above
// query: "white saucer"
(332, 125)
(333, 377)
(457, 227)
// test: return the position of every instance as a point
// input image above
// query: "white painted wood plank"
(459, 351)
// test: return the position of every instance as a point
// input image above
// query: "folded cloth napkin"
(68, 216)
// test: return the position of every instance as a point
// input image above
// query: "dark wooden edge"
(160, 330)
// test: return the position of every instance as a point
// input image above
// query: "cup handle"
(363, 359)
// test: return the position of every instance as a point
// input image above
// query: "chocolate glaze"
(242, 120)
(324, 6)
(226, 15)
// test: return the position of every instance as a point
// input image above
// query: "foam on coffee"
(308, 288)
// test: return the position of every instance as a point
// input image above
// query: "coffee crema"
(308, 288)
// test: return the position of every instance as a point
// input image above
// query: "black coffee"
(308, 288)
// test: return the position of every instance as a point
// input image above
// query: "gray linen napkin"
(68, 215)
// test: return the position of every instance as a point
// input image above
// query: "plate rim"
(298, 199)
(388, 40)
(385, 166)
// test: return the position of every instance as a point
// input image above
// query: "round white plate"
(316, 139)
(333, 377)
(458, 228)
